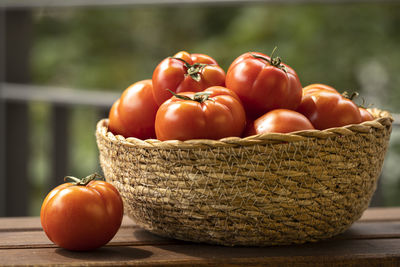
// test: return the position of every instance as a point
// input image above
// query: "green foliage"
(110, 48)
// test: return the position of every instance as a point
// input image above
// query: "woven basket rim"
(382, 119)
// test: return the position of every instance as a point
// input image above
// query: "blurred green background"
(352, 47)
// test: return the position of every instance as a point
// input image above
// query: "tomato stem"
(352, 96)
(83, 181)
(179, 96)
(273, 61)
(194, 70)
(198, 97)
(201, 96)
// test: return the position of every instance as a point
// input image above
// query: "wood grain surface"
(374, 240)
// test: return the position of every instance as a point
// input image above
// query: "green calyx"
(351, 96)
(194, 71)
(198, 97)
(355, 95)
(83, 181)
(273, 61)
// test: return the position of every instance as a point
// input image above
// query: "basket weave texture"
(269, 189)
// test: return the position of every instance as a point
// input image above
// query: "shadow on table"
(108, 253)
(154, 239)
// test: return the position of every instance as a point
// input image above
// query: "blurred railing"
(16, 93)
(15, 128)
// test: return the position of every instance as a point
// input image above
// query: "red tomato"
(133, 115)
(249, 128)
(82, 216)
(365, 115)
(326, 110)
(317, 87)
(263, 83)
(185, 72)
(280, 121)
(214, 113)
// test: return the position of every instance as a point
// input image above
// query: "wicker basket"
(269, 189)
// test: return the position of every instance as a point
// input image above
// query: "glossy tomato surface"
(133, 115)
(263, 84)
(185, 72)
(212, 114)
(280, 121)
(82, 217)
(327, 110)
(318, 87)
(365, 115)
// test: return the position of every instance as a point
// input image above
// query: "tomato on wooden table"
(263, 83)
(82, 215)
(134, 113)
(214, 113)
(185, 72)
(279, 121)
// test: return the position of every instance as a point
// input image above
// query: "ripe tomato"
(214, 113)
(185, 72)
(326, 110)
(317, 87)
(133, 115)
(84, 215)
(280, 121)
(263, 83)
(365, 115)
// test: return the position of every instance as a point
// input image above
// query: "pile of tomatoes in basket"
(191, 97)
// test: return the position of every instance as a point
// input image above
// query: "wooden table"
(372, 241)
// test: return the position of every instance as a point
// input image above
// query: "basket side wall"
(281, 193)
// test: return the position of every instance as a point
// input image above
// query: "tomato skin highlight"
(82, 218)
(365, 115)
(134, 113)
(173, 74)
(327, 110)
(221, 115)
(318, 87)
(279, 121)
(262, 86)
(115, 125)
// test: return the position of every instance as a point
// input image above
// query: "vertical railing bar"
(60, 144)
(16, 116)
(16, 161)
(102, 113)
(2, 115)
